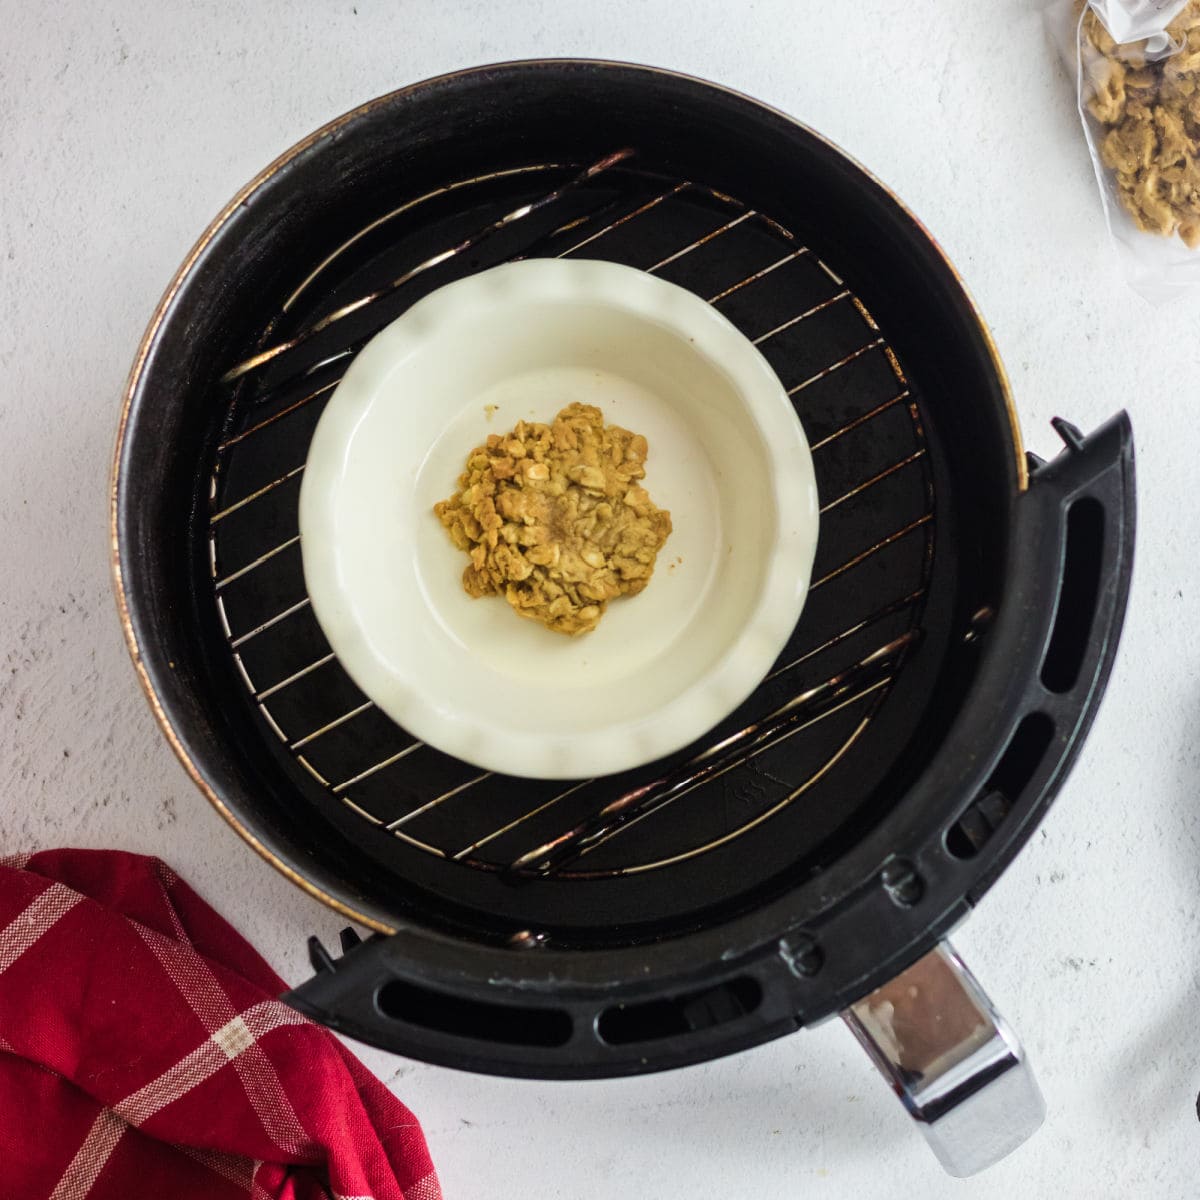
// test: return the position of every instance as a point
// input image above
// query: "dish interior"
(645, 631)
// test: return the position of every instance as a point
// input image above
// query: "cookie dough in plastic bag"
(1136, 64)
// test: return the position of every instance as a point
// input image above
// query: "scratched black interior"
(961, 623)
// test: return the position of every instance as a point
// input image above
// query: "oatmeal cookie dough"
(555, 519)
(1150, 111)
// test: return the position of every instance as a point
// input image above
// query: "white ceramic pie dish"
(728, 458)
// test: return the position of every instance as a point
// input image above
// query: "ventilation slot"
(472, 1019)
(1077, 599)
(1012, 774)
(689, 1013)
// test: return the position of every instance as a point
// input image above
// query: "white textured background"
(123, 129)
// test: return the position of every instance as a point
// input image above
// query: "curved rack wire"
(813, 328)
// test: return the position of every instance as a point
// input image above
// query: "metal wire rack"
(871, 575)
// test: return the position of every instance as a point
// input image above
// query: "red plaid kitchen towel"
(143, 1053)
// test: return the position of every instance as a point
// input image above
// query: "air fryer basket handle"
(931, 1030)
(952, 1060)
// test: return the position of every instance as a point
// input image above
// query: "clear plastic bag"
(1136, 64)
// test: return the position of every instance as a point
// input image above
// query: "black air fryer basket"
(806, 857)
